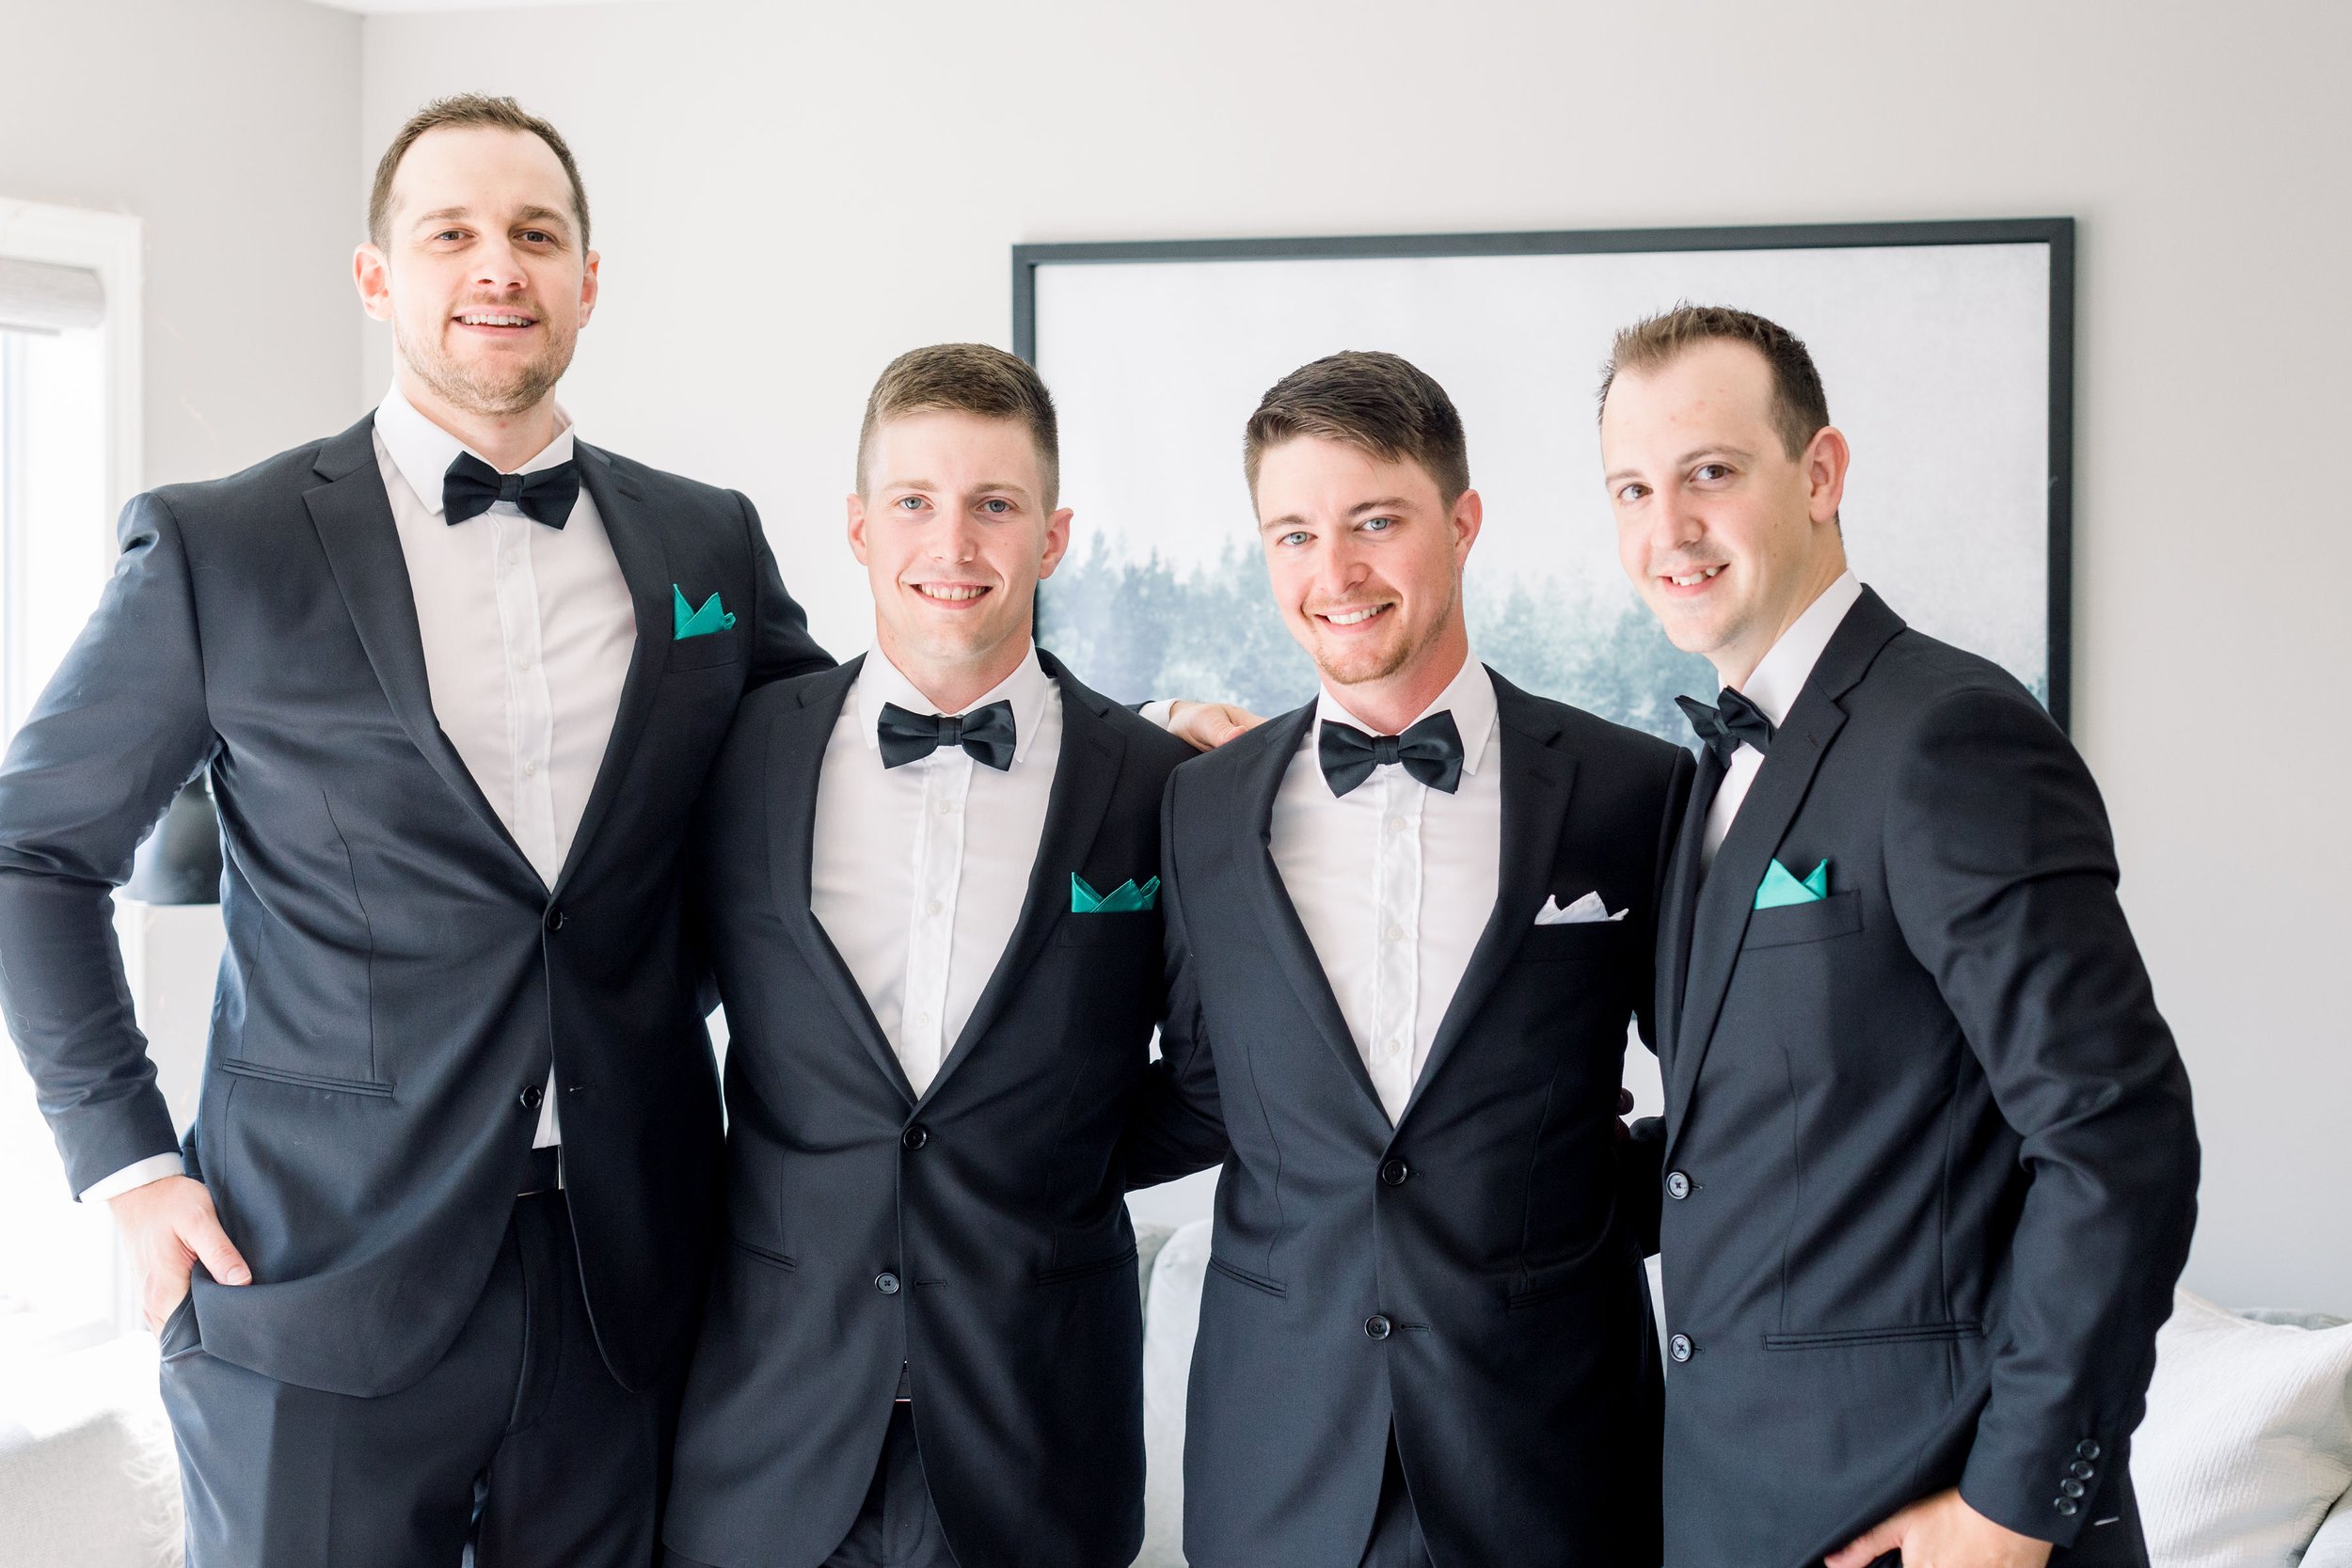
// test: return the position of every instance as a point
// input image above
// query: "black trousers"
(516, 1450)
(1396, 1541)
(896, 1525)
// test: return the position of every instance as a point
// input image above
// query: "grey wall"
(788, 195)
(229, 128)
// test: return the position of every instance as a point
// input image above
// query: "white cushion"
(2248, 1440)
(87, 1475)
(2333, 1546)
(1168, 1328)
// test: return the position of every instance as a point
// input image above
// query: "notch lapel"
(1086, 773)
(1261, 781)
(635, 535)
(1537, 779)
(1726, 897)
(353, 520)
(1681, 904)
(796, 759)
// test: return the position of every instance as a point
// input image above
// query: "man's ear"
(857, 528)
(1469, 514)
(588, 288)
(1826, 460)
(372, 274)
(1057, 543)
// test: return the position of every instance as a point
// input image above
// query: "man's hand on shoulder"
(166, 1226)
(1943, 1531)
(1209, 725)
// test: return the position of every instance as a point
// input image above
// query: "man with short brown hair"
(930, 881)
(1407, 926)
(437, 1236)
(1929, 1162)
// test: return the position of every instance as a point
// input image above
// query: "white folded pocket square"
(1587, 909)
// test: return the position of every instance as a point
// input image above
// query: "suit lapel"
(1536, 782)
(1681, 904)
(796, 759)
(1727, 895)
(1261, 781)
(1084, 775)
(355, 525)
(636, 537)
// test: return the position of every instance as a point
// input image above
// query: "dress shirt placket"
(931, 925)
(530, 708)
(1395, 934)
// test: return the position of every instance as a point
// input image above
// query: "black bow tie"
(985, 732)
(1734, 720)
(472, 486)
(1431, 752)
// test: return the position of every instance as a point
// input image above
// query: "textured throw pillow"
(2247, 1441)
(2333, 1546)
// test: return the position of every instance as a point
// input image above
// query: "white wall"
(786, 197)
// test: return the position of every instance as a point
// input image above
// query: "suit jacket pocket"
(1243, 1276)
(1838, 916)
(303, 1080)
(769, 1255)
(700, 653)
(1575, 941)
(1102, 930)
(1087, 1270)
(1895, 1334)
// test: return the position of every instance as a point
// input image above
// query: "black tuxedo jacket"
(1468, 1276)
(397, 977)
(1932, 1168)
(977, 1235)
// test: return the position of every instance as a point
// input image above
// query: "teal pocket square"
(1779, 887)
(1123, 899)
(691, 621)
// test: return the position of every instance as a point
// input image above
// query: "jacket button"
(1679, 1347)
(1377, 1326)
(886, 1282)
(2082, 1469)
(1677, 1185)
(915, 1136)
(555, 920)
(2085, 1449)
(532, 1095)
(2069, 1487)
(2068, 1507)
(1394, 1173)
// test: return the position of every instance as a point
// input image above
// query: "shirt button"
(1396, 933)
(1677, 1185)
(511, 557)
(1387, 1048)
(944, 808)
(1679, 1347)
(1377, 1326)
(935, 906)
(1396, 824)
(886, 1282)
(530, 769)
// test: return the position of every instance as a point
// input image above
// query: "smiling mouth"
(1691, 580)
(1354, 617)
(948, 592)
(494, 318)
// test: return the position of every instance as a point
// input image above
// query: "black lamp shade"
(179, 862)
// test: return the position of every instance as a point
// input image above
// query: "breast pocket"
(1838, 916)
(1133, 926)
(700, 653)
(1575, 941)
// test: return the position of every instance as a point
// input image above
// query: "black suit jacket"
(978, 1234)
(1466, 1276)
(1932, 1143)
(397, 977)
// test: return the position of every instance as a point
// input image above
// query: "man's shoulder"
(285, 474)
(668, 492)
(1145, 740)
(1221, 770)
(1584, 734)
(1916, 678)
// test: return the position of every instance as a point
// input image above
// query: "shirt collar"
(1778, 680)
(422, 450)
(1470, 697)
(880, 681)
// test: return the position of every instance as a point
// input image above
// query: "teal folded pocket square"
(1123, 899)
(1779, 887)
(691, 621)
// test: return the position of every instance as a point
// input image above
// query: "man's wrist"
(139, 1173)
(1161, 712)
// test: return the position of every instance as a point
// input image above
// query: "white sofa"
(2247, 1445)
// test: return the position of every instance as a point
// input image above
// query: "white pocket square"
(1587, 909)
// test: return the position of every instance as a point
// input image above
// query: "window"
(68, 443)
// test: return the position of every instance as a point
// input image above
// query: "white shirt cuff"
(1158, 713)
(153, 1169)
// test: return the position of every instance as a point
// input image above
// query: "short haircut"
(1376, 402)
(1800, 407)
(470, 109)
(966, 378)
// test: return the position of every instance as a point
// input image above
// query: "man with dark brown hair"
(1929, 1162)
(930, 880)
(1407, 926)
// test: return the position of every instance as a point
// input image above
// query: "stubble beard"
(1398, 654)
(462, 389)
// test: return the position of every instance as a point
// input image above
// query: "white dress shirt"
(919, 871)
(528, 632)
(1774, 689)
(1394, 881)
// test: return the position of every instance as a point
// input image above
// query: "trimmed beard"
(451, 382)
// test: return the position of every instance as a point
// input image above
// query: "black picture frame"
(2057, 233)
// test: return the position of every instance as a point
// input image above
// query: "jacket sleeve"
(122, 727)
(1641, 1152)
(1177, 1125)
(2001, 870)
(781, 645)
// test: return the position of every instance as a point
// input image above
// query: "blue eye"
(909, 503)
(1293, 538)
(1379, 525)
(998, 506)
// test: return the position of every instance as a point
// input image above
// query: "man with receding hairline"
(1929, 1163)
